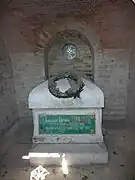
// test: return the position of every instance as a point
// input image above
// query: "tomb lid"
(91, 96)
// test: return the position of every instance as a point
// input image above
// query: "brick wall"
(109, 28)
(8, 106)
(112, 77)
(28, 72)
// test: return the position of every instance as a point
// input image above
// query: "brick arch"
(57, 37)
(51, 33)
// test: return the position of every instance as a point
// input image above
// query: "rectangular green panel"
(66, 124)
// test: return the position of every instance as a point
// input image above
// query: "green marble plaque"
(66, 124)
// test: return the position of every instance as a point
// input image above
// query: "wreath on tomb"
(71, 92)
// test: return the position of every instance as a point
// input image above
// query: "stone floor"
(119, 139)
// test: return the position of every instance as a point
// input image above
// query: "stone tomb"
(67, 126)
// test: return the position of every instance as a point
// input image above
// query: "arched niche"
(52, 39)
(54, 58)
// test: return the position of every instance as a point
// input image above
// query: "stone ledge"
(76, 154)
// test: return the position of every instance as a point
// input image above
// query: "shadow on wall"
(8, 106)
